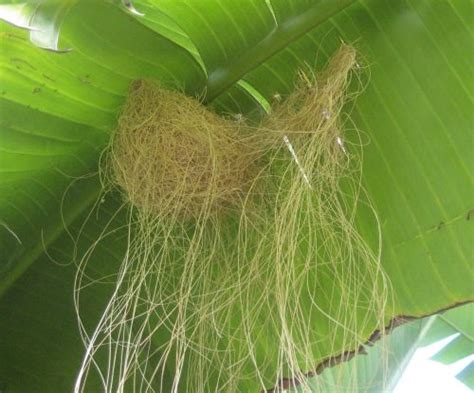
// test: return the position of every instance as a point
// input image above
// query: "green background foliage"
(59, 109)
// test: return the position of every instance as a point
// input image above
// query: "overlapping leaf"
(57, 111)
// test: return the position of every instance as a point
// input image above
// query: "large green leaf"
(458, 321)
(57, 112)
(384, 363)
(416, 113)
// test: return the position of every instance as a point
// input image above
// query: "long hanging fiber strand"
(243, 261)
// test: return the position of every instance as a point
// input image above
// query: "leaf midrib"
(221, 78)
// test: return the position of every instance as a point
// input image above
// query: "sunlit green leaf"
(57, 112)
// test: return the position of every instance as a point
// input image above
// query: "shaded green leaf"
(57, 112)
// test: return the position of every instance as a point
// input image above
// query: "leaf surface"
(58, 110)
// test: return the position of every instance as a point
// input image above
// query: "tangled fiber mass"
(171, 155)
(244, 266)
